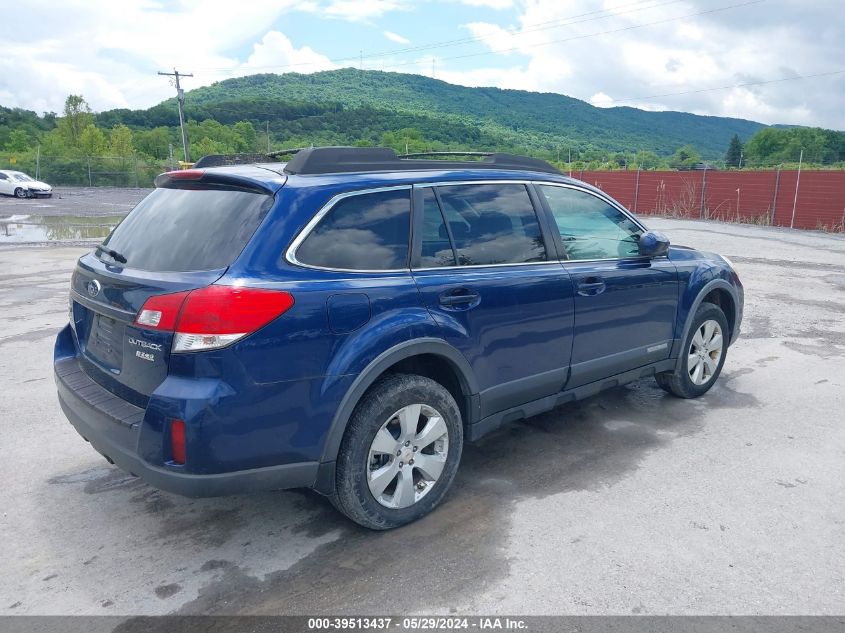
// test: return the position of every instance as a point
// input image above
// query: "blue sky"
(742, 58)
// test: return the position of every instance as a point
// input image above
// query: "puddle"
(36, 228)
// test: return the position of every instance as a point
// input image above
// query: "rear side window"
(436, 247)
(367, 231)
(180, 230)
(492, 224)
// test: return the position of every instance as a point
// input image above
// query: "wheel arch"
(717, 291)
(430, 357)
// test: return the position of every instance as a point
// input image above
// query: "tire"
(694, 374)
(381, 427)
(20, 192)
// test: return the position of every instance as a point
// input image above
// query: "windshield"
(19, 177)
(182, 230)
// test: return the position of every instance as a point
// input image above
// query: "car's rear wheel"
(400, 452)
(702, 355)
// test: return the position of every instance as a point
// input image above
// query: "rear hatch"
(182, 236)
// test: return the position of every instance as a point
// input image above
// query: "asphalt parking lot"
(629, 502)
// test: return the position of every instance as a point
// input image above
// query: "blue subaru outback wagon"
(345, 321)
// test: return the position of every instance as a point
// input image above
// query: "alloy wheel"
(705, 352)
(407, 456)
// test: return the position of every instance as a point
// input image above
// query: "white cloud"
(395, 37)
(601, 100)
(110, 52)
(275, 50)
(590, 49)
(359, 10)
(495, 37)
(490, 4)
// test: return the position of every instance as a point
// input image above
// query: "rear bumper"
(113, 426)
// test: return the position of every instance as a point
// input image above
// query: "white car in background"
(18, 184)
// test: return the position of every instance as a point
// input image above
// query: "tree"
(92, 141)
(247, 132)
(733, 157)
(120, 141)
(685, 157)
(18, 141)
(154, 143)
(77, 117)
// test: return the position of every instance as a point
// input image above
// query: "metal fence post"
(797, 182)
(637, 190)
(90, 182)
(775, 197)
(703, 188)
(135, 167)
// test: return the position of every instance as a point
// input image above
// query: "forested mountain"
(351, 106)
(405, 112)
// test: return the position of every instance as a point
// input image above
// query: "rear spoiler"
(251, 179)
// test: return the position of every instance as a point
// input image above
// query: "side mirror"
(653, 244)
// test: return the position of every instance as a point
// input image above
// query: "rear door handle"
(460, 298)
(591, 286)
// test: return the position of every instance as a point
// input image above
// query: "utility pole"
(268, 137)
(180, 100)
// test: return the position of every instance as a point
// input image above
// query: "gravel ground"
(629, 502)
(75, 201)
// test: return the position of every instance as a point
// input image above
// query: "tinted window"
(362, 232)
(436, 247)
(182, 230)
(590, 227)
(492, 224)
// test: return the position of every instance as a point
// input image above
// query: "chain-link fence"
(90, 171)
(807, 199)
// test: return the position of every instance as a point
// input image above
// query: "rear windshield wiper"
(102, 248)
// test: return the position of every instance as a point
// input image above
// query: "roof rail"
(222, 160)
(423, 154)
(331, 160)
(284, 152)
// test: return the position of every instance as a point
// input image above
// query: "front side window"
(492, 224)
(590, 227)
(367, 231)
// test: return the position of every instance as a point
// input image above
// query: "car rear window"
(366, 231)
(181, 230)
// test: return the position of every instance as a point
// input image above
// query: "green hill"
(350, 106)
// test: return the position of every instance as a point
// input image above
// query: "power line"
(180, 99)
(742, 85)
(539, 26)
(589, 35)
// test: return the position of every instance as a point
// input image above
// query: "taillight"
(177, 441)
(214, 316)
(160, 312)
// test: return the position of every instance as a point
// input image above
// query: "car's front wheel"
(20, 192)
(400, 452)
(702, 355)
